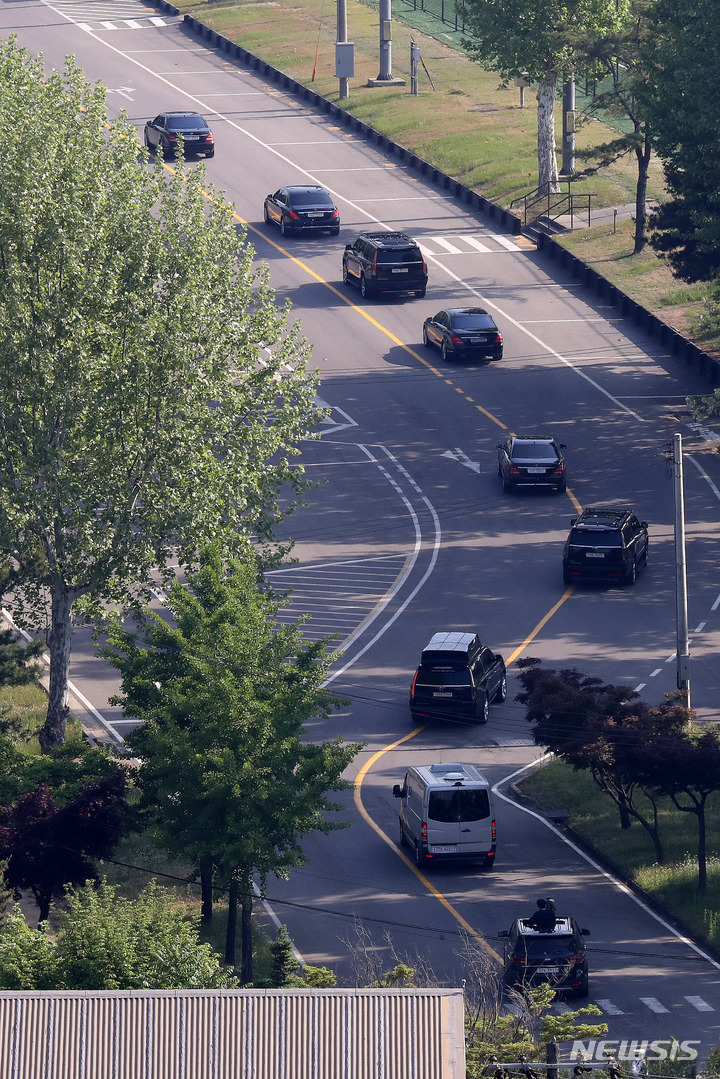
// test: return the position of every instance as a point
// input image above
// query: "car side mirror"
(504, 933)
(643, 524)
(573, 520)
(562, 445)
(398, 791)
(499, 446)
(348, 246)
(585, 932)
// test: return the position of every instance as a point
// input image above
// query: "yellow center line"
(357, 795)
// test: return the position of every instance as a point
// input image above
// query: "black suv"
(531, 461)
(605, 543)
(457, 678)
(558, 958)
(385, 262)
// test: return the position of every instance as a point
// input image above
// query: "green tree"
(544, 38)
(682, 60)
(28, 957)
(105, 941)
(227, 777)
(151, 392)
(619, 56)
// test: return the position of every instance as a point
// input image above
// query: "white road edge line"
(591, 861)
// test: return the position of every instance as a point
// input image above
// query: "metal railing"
(553, 204)
(450, 12)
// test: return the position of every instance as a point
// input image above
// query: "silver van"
(446, 811)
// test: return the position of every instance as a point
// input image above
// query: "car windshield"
(310, 198)
(534, 451)
(595, 537)
(458, 805)
(388, 258)
(472, 322)
(550, 947)
(185, 123)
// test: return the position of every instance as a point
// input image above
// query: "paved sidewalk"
(605, 216)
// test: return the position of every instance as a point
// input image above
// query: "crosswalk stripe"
(700, 1004)
(654, 1005)
(609, 1008)
(509, 244)
(475, 243)
(450, 248)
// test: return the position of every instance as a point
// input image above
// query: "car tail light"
(492, 832)
(519, 961)
(499, 339)
(172, 138)
(514, 470)
(209, 137)
(559, 470)
(575, 958)
(412, 687)
(293, 214)
(457, 340)
(335, 214)
(424, 266)
(424, 838)
(375, 262)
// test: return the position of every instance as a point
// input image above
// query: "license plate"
(314, 213)
(400, 269)
(548, 970)
(191, 138)
(536, 471)
(447, 849)
(442, 694)
(594, 554)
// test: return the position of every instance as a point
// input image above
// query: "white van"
(446, 811)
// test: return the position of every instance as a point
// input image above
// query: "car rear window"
(458, 805)
(437, 658)
(595, 537)
(559, 944)
(535, 451)
(184, 123)
(396, 258)
(430, 677)
(310, 198)
(472, 322)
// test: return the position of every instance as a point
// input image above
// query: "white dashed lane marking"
(609, 1008)
(700, 1004)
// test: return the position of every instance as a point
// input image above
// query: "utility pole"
(385, 75)
(683, 644)
(344, 51)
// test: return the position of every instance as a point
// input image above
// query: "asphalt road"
(412, 533)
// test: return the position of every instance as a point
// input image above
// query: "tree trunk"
(206, 891)
(548, 182)
(246, 968)
(231, 934)
(625, 820)
(643, 160)
(702, 849)
(53, 732)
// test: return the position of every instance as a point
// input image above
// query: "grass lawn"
(594, 816)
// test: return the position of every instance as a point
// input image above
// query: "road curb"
(678, 345)
(560, 819)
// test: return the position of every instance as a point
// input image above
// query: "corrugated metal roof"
(233, 1034)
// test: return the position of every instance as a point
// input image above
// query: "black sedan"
(302, 209)
(463, 333)
(166, 130)
(531, 461)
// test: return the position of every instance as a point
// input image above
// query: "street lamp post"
(683, 643)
